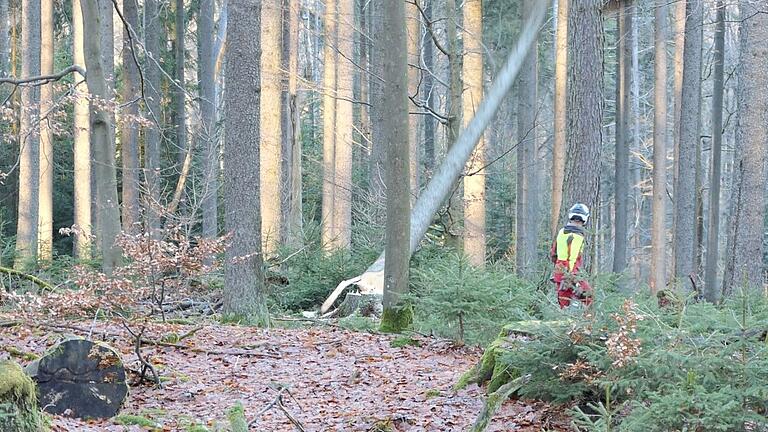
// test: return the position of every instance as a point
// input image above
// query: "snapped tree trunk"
(443, 181)
(243, 272)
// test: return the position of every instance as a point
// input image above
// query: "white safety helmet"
(579, 212)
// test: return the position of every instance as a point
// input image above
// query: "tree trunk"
(330, 60)
(679, 19)
(107, 40)
(474, 181)
(454, 101)
(153, 35)
(208, 134)
(271, 133)
(658, 225)
(585, 105)
(413, 25)
(744, 268)
(429, 97)
(82, 144)
(444, 179)
(45, 226)
(184, 146)
(243, 274)
(102, 137)
(713, 228)
(376, 173)
(685, 244)
(527, 148)
(342, 166)
(396, 317)
(621, 182)
(129, 127)
(5, 39)
(29, 140)
(294, 218)
(561, 100)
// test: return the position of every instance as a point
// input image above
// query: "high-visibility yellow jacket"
(567, 250)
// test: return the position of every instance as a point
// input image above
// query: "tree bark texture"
(29, 138)
(560, 106)
(153, 34)
(744, 267)
(527, 198)
(713, 227)
(330, 60)
(45, 225)
(474, 181)
(621, 181)
(342, 166)
(585, 105)
(129, 126)
(685, 244)
(294, 218)
(102, 137)
(396, 138)
(208, 134)
(243, 273)
(82, 143)
(658, 225)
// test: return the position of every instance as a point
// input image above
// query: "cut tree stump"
(18, 404)
(80, 378)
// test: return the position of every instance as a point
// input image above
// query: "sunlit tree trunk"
(623, 79)
(29, 138)
(395, 102)
(527, 226)
(82, 143)
(413, 26)
(743, 266)
(243, 275)
(271, 132)
(678, 29)
(713, 228)
(658, 226)
(129, 127)
(330, 59)
(153, 32)
(560, 102)
(685, 244)
(342, 168)
(208, 139)
(294, 217)
(102, 137)
(474, 182)
(45, 226)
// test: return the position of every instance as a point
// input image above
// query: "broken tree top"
(80, 378)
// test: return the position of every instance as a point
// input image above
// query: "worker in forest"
(566, 253)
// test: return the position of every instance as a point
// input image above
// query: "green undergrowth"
(136, 420)
(629, 365)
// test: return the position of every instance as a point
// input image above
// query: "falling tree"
(243, 273)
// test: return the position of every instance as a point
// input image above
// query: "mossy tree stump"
(80, 378)
(18, 403)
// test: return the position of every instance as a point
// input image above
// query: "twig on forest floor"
(278, 401)
(145, 364)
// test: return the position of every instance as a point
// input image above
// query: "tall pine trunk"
(744, 267)
(243, 273)
(29, 140)
(82, 143)
(685, 244)
(45, 225)
(474, 181)
(527, 198)
(658, 225)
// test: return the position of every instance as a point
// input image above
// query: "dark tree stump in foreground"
(18, 405)
(80, 378)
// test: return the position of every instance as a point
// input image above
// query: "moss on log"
(18, 400)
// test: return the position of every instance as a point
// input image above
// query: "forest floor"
(338, 380)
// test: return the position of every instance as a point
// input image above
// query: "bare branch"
(43, 79)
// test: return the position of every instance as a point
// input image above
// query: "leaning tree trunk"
(29, 140)
(243, 272)
(443, 181)
(103, 139)
(685, 245)
(743, 268)
(585, 105)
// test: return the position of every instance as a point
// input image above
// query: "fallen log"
(80, 378)
(18, 404)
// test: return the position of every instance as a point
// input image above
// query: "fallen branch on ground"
(32, 278)
(278, 401)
